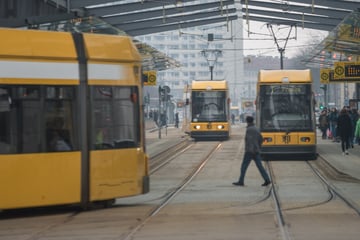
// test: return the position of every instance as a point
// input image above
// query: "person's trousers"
(246, 162)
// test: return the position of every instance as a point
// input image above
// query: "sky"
(258, 39)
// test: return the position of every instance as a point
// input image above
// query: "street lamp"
(211, 56)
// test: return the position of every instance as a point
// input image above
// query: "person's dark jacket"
(323, 121)
(253, 139)
(344, 125)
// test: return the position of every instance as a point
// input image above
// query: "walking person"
(177, 120)
(354, 116)
(253, 141)
(323, 123)
(232, 119)
(357, 130)
(333, 115)
(344, 130)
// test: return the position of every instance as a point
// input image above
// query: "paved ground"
(211, 208)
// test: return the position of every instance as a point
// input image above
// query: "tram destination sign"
(347, 71)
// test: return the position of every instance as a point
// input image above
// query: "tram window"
(103, 93)
(28, 92)
(116, 116)
(59, 93)
(5, 102)
(23, 126)
(60, 119)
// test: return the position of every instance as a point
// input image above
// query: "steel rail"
(173, 193)
(334, 190)
(285, 235)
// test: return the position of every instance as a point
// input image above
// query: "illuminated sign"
(347, 71)
(352, 70)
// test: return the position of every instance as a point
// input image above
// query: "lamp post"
(211, 56)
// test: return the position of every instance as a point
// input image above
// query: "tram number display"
(279, 90)
(208, 94)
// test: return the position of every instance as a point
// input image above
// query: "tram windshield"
(209, 106)
(286, 107)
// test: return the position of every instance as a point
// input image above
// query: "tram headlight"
(197, 127)
(220, 126)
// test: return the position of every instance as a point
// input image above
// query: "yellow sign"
(149, 78)
(325, 75)
(152, 77)
(349, 32)
(347, 70)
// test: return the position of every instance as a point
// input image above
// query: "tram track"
(165, 156)
(333, 190)
(283, 228)
(173, 192)
(325, 175)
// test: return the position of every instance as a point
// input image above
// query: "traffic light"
(164, 93)
(145, 78)
(146, 99)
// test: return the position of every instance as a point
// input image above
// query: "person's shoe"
(346, 152)
(238, 184)
(343, 153)
(265, 183)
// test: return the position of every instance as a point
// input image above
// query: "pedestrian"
(333, 115)
(357, 130)
(323, 123)
(177, 120)
(253, 142)
(344, 130)
(354, 116)
(155, 117)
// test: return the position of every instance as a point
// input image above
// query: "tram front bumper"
(289, 152)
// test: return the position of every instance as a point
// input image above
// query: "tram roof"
(209, 85)
(280, 76)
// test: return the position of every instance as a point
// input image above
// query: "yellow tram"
(209, 110)
(285, 114)
(70, 119)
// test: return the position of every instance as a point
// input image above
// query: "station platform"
(332, 153)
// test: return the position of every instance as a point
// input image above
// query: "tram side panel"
(32, 71)
(118, 167)
(40, 84)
